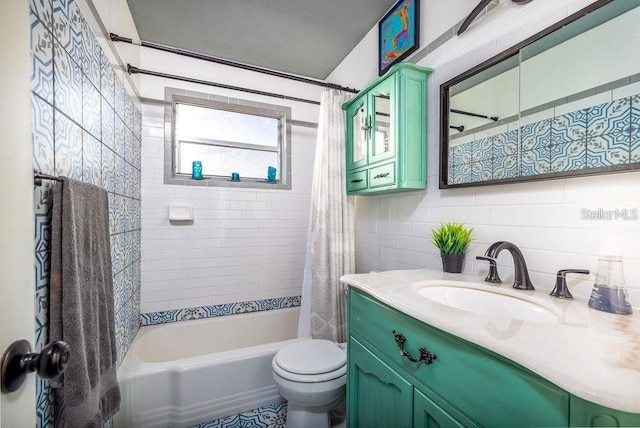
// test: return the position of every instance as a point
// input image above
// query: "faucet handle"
(492, 276)
(561, 290)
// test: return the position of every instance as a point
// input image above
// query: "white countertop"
(591, 354)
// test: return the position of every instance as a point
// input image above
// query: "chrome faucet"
(522, 280)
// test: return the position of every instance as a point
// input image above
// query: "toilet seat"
(310, 361)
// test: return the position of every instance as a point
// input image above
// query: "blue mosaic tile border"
(174, 315)
(271, 416)
(599, 136)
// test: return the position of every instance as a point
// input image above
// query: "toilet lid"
(313, 356)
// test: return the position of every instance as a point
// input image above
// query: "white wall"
(245, 244)
(16, 217)
(542, 218)
(498, 97)
(361, 65)
(609, 52)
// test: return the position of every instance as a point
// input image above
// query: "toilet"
(311, 374)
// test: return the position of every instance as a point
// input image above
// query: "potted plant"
(452, 239)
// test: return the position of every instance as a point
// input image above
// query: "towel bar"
(39, 176)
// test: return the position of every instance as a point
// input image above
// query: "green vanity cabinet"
(427, 414)
(586, 414)
(387, 133)
(378, 395)
(382, 397)
(466, 385)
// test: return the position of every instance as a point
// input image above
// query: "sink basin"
(488, 302)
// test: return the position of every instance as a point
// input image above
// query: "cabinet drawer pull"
(357, 180)
(381, 175)
(425, 355)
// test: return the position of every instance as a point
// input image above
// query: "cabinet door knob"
(425, 355)
(18, 361)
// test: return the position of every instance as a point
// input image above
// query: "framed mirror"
(565, 102)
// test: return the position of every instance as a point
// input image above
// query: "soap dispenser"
(609, 293)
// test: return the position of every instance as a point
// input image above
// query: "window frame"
(282, 113)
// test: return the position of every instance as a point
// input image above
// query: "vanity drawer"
(485, 387)
(357, 181)
(384, 175)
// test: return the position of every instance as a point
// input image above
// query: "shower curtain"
(330, 238)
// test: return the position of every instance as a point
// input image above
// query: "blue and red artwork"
(398, 33)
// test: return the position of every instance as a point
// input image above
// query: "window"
(228, 136)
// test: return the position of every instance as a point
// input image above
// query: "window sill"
(245, 183)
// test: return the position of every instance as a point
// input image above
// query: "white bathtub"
(184, 373)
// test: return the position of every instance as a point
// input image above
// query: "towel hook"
(18, 361)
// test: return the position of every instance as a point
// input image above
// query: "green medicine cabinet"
(387, 133)
(464, 386)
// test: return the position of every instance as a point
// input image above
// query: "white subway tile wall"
(244, 244)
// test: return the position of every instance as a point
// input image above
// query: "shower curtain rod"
(467, 113)
(135, 70)
(197, 55)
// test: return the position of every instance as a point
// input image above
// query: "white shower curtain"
(330, 239)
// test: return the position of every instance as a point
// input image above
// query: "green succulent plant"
(452, 238)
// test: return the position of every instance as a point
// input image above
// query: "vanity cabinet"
(427, 414)
(386, 140)
(586, 414)
(381, 397)
(465, 385)
(378, 394)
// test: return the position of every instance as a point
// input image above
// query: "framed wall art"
(398, 33)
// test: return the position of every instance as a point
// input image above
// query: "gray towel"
(81, 304)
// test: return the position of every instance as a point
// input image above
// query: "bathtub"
(184, 373)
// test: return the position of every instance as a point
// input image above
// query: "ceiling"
(304, 37)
